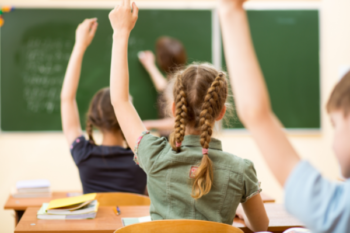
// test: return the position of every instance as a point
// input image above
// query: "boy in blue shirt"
(322, 205)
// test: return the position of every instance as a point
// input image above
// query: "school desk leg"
(18, 216)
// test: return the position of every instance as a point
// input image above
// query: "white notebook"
(30, 184)
(129, 221)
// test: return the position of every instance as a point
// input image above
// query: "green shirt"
(170, 185)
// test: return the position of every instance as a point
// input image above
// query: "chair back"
(179, 226)
(122, 199)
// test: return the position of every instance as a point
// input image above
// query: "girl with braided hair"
(190, 177)
(103, 168)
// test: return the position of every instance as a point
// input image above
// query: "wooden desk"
(107, 221)
(23, 203)
(19, 205)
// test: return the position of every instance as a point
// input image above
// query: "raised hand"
(147, 59)
(122, 19)
(85, 33)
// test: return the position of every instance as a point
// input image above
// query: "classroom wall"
(46, 155)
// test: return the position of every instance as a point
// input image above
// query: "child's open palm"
(86, 32)
(121, 17)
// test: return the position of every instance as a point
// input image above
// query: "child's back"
(170, 179)
(107, 168)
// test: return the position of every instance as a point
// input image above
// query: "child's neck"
(113, 139)
(192, 131)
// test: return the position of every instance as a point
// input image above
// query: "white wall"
(38, 155)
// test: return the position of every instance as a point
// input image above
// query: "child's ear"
(173, 108)
(222, 114)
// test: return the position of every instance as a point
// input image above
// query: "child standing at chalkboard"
(170, 55)
(322, 205)
(190, 178)
(110, 166)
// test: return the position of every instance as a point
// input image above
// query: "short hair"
(340, 97)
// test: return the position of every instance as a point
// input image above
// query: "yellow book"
(64, 202)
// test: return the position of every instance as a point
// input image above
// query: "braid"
(181, 114)
(89, 131)
(212, 102)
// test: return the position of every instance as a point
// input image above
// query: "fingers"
(126, 3)
(93, 29)
(135, 10)
(141, 54)
(88, 22)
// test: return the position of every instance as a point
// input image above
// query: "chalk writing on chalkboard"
(42, 71)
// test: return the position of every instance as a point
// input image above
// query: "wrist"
(151, 67)
(79, 47)
(121, 35)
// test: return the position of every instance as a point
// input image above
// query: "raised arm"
(251, 95)
(123, 21)
(148, 61)
(69, 109)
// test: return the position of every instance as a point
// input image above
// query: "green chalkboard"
(287, 46)
(36, 45)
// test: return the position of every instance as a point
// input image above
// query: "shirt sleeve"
(251, 185)
(148, 149)
(323, 206)
(80, 149)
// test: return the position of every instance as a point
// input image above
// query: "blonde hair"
(200, 93)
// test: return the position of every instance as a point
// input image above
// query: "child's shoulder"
(235, 163)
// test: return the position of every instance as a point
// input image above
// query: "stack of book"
(80, 207)
(31, 188)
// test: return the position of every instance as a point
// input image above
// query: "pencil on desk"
(116, 210)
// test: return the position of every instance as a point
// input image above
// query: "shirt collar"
(194, 141)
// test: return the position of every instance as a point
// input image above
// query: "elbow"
(263, 226)
(267, 223)
(114, 105)
(118, 103)
(66, 98)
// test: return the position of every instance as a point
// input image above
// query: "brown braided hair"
(101, 114)
(200, 93)
(181, 113)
